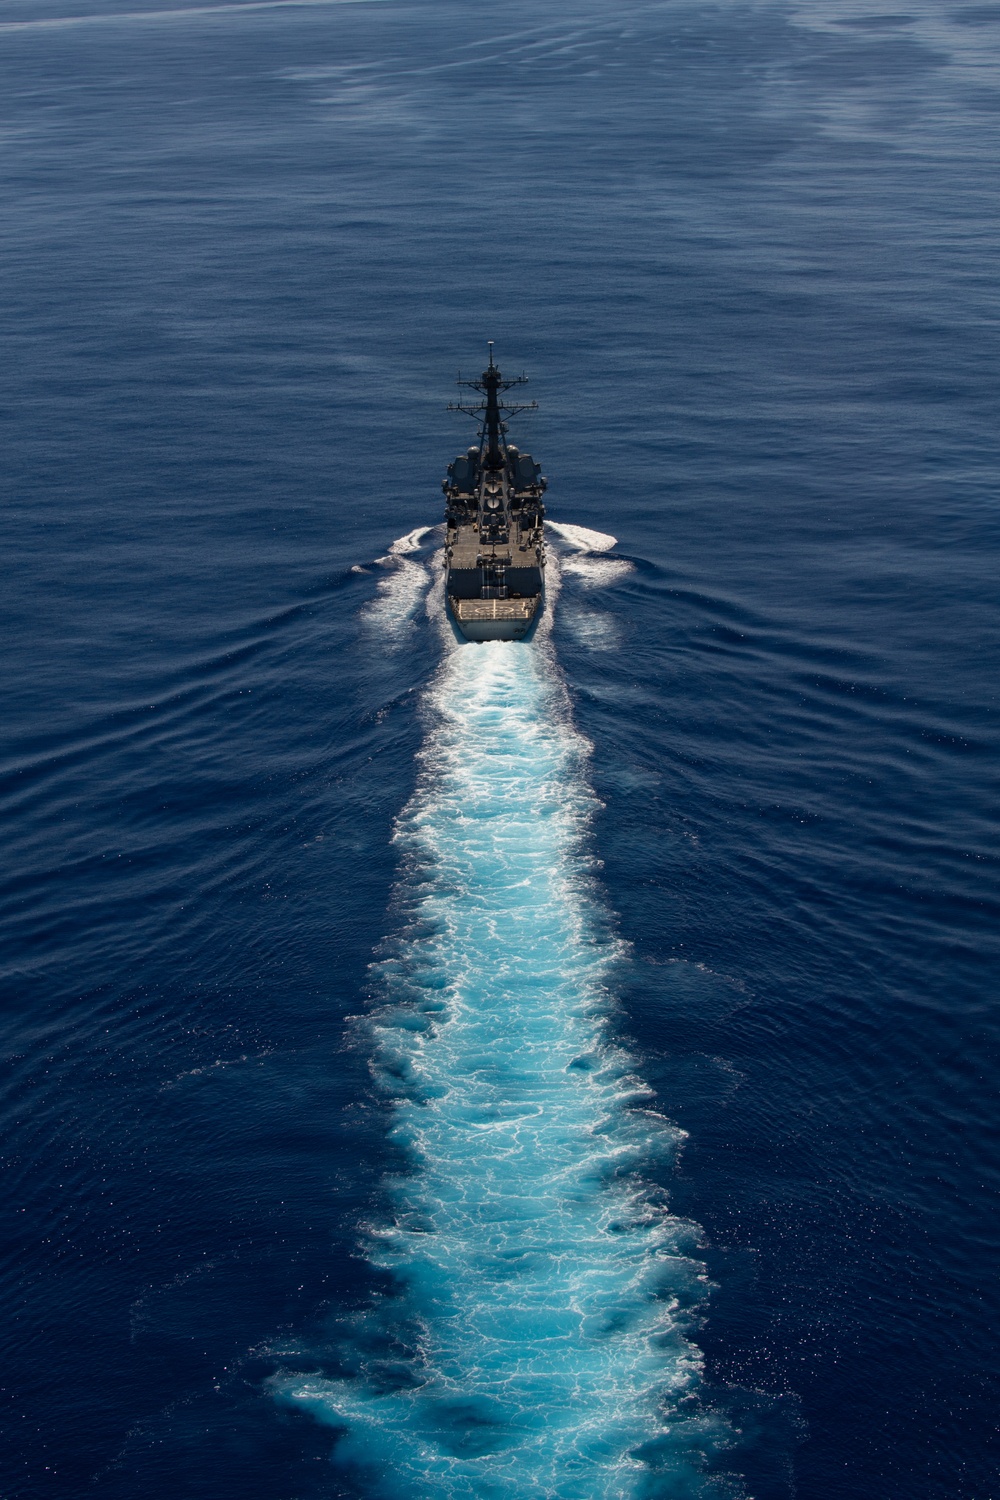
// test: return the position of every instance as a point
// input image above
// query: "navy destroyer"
(494, 549)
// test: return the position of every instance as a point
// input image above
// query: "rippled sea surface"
(561, 1070)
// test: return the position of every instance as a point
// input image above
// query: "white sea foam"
(581, 537)
(411, 542)
(540, 1327)
(585, 560)
(596, 572)
(401, 592)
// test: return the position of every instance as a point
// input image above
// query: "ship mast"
(491, 412)
(491, 380)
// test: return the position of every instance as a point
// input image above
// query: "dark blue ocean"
(556, 1071)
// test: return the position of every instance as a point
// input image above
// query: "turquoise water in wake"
(545, 1288)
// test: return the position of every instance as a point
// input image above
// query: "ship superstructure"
(494, 549)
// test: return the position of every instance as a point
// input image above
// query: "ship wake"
(538, 1342)
(401, 591)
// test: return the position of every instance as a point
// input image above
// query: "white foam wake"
(581, 537)
(411, 542)
(401, 591)
(585, 560)
(544, 1288)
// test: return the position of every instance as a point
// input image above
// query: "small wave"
(401, 592)
(411, 542)
(174, 13)
(596, 572)
(592, 629)
(582, 538)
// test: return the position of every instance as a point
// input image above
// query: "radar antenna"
(491, 412)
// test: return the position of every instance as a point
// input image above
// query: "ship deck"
(467, 548)
(467, 610)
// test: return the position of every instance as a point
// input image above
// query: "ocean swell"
(541, 1326)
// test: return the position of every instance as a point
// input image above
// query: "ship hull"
(494, 619)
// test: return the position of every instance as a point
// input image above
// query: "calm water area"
(692, 901)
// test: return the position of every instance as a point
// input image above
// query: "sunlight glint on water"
(543, 1284)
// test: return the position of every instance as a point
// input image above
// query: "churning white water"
(544, 1288)
(401, 591)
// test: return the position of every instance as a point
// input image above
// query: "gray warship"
(494, 548)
